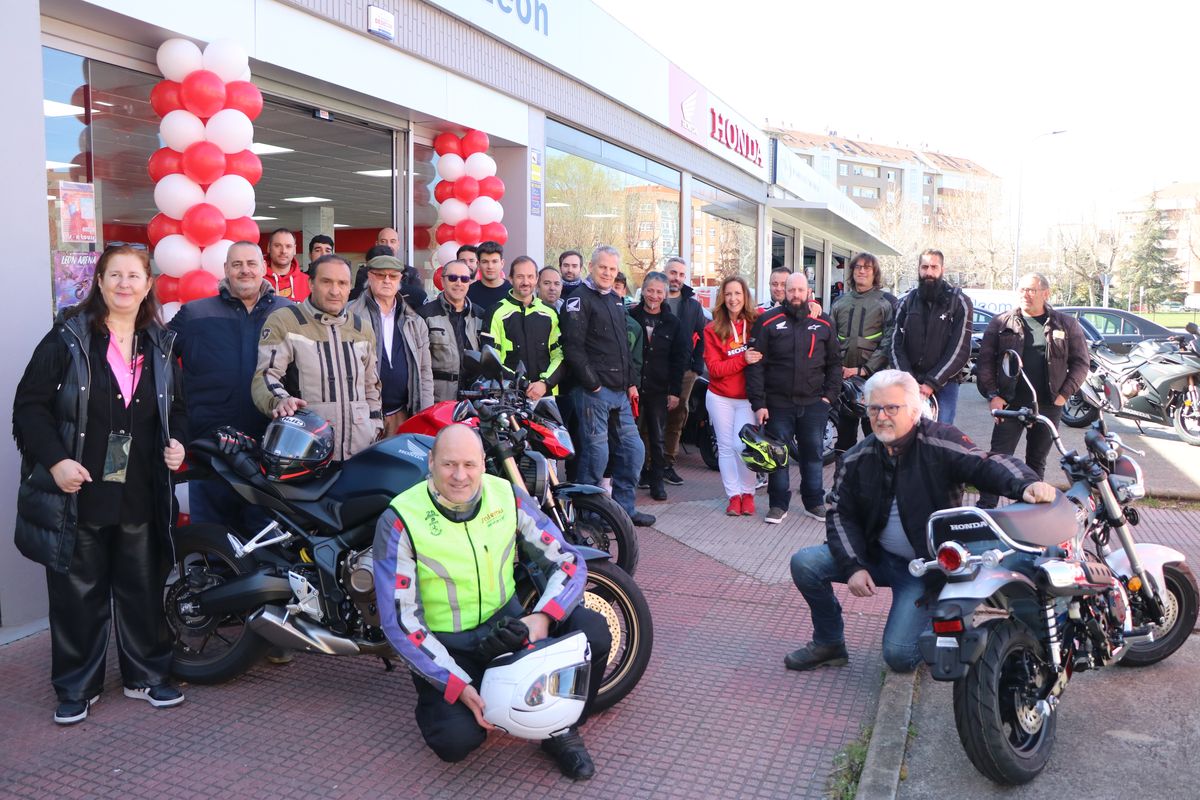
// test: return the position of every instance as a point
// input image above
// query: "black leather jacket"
(596, 340)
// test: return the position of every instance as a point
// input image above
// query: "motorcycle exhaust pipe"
(277, 626)
(243, 594)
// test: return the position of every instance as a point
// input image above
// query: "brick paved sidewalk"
(715, 716)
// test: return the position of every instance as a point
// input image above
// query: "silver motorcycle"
(1034, 593)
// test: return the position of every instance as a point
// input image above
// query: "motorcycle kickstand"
(388, 666)
(1139, 426)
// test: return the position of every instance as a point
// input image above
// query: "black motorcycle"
(1156, 382)
(305, 582)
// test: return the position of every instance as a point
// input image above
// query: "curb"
(885, 754)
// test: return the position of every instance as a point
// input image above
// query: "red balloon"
(420, 194)
(444, 233)
(161, 225)
(203, 224)
(167, 288)
(164, 98)
(421, 238)
(447, 143)
(443, 191)
(164, 162)
(202, 93)
(245, 97)
(467, 232)
(466, 188)
(196, 284)
(242, 229)
(203, 162)
(494, 232)
(437, 279)
(474, 141)
(492, 187)
(246, 164)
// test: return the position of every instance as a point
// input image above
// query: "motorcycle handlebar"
(1028, 417)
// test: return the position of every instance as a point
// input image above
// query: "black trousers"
(848, 425)
(116, 567)
(1038, 442)
(652, 422)
(450, 729)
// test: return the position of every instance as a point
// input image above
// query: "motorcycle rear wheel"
(1186, 423)
(706, 442)
(999, 730)
(829, 441)
(612, 593)
(208, 649)
(597, 521)
(1078, 413)
(1180, 597)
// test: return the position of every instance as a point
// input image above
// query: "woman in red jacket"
(726, 355)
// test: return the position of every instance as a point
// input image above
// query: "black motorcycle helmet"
(297, 447)
(761, 452)
(853, 400)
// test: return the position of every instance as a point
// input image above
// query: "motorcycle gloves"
(231, 441)
(507, 635)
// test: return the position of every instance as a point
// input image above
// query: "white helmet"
(538, 692)
(929, 408)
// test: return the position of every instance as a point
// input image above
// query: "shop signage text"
(727, 132)
(534, 13)
(381, 23)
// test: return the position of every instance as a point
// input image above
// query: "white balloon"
(178, 58)
(232, 195)
(227, 58)
(484, 209)
(245, 76)
(451, 167)
(230, 130)
(453, 211)
(176, 193)
(169, 310)
(480, 166)
(212, 258)
(175, 255)
(180, 128)
(498, 213)
(447, 252)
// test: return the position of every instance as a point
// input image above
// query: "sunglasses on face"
(134, 245)
(458, 278)
(383, 275)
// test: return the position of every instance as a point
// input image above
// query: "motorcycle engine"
(1100, 622)
(1132, 387)
(358, 576)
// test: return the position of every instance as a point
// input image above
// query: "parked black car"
(1119, 329)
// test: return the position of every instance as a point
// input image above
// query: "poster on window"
(77, 217)
(73, 273)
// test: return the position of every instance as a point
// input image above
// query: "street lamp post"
(1020, 201)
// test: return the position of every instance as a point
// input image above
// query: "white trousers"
(727, 416)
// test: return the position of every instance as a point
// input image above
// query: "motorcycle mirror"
(463, 411)
(1011, 364)
(520, 371)
(490, 365)
(1192, 328)
(469, 369)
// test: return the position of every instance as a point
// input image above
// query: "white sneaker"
(606, 485)
(164, 696)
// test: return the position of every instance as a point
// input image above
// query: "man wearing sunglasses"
(454, 323)
(886, 488)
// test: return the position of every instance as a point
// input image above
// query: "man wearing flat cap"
(402, 341)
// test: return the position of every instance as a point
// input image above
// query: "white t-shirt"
(387, 320)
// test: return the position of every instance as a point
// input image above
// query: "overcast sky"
(973, 79)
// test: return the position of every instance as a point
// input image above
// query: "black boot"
(569, 751)
(814, 655)
(657, 490)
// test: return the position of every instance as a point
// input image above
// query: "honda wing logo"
(687, 112)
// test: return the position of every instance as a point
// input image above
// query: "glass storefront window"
(599, 193)
(729, 238)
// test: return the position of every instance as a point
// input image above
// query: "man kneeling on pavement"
(447, 621)
(886, 488)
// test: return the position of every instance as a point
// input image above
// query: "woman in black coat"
(98, 419)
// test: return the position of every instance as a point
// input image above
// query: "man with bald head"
(411, 286)
(447, 621)
(791, 389)
(217, 340)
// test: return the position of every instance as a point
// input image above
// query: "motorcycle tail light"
(947, 626)
(951, 556)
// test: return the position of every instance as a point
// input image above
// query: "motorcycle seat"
(1040, 524)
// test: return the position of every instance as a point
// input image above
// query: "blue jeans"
(594, 409)
(807, 425)
(814, 571)
(947, 403)
(214, 502)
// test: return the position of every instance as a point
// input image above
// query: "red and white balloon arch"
(468, 196)
(204, 175)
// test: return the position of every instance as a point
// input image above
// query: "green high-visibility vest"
(464, 569)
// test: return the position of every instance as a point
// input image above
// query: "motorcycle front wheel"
(612, 593)
(1186, 421)
(208, 649)
(597, 521)
(706, 442)
(1004, 736)
(1078, 413)
(1180, 598)
(829, 442)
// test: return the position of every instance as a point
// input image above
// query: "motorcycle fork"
(1120, 525)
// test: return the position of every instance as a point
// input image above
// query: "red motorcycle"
(523, 443)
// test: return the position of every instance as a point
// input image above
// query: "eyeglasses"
(457, 278)
(134, 245)
(863, 268)
(1030, 290)
(384, 275)
(890, 410)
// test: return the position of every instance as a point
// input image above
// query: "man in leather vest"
(445, 584)
(454, 327)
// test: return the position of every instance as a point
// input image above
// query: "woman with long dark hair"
(98, 419)
(727, 357)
